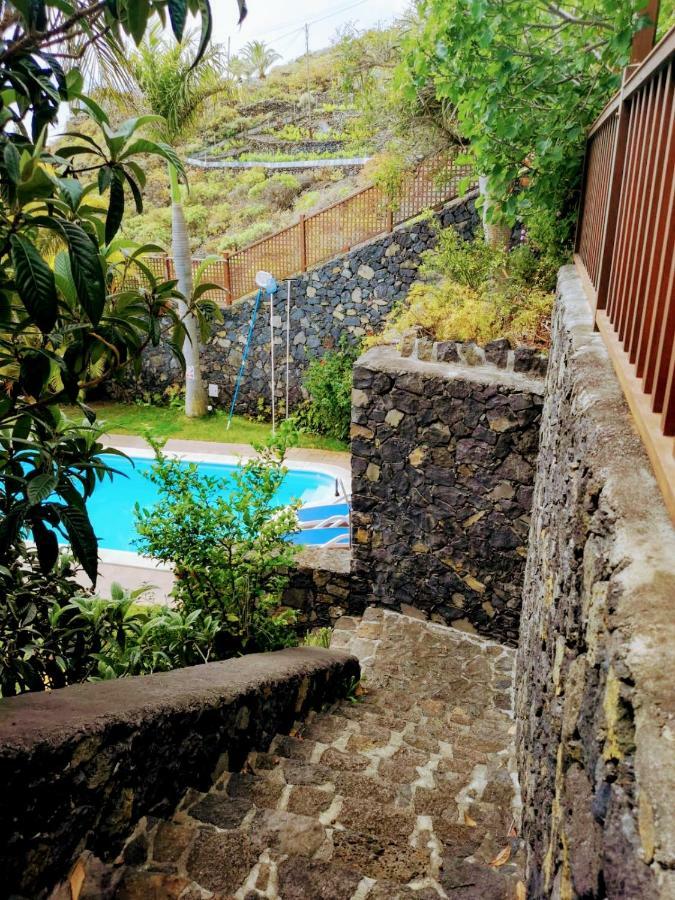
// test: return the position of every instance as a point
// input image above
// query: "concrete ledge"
(80, 766)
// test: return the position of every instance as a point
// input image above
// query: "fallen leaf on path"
(502, 857)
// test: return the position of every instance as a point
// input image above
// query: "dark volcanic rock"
(442, 488)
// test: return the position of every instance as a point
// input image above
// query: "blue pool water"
(111, 507)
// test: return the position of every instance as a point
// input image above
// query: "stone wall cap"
(326, 559)
(56, 716)
(387, 359)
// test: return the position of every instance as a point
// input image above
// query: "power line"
(336, 12)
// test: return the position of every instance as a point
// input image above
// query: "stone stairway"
(408, 793)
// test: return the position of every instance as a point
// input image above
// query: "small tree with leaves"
(525, 79)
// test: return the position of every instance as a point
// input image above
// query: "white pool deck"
(132, 571)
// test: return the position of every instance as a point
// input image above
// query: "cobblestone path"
(408, 794)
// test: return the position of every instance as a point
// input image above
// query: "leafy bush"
(523, 87)
(121, 638)
(471, 291)
(36, 650)
(228, 549)
(387, 171)
(246, 236)
(307, 202)
(279, 190)
(328, 382)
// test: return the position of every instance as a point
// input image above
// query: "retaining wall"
(443, 458)
(345, 299)
(81, 765)
(595, 699)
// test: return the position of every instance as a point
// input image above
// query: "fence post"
(613, 201)
(645, 38)
(303, 244)
(167, 267)
(390, 219)
(227, 272)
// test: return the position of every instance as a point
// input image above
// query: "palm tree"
(168, 84)
(259, 57)
(238, 69)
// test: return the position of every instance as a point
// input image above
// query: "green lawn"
(165, 423)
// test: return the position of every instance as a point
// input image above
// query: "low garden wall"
(595, 699)
(81, 765)
(443, 458)
(346, 298)
(320, 587)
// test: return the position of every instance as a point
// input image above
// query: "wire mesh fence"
(329, 232)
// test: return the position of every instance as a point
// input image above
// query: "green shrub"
(278, 191)
(228, 549)
(328, 382)
(473, 292)
(246, 236)
(123, 638)
(307, 202)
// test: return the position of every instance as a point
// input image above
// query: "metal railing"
(363, 215)
(625, 243)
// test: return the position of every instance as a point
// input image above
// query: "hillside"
(275, 118)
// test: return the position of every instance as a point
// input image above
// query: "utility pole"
(229, 53)
(309, 92)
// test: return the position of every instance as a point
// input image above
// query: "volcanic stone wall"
(595, 698)
(80, 766)
(443, 458)
(344, 299)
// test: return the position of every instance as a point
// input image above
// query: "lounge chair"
(329, 515)
(321, 537)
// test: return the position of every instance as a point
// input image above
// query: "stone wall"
(595, 703)
(320, 587)
(346, 298)
(443, 458)
(80, 766)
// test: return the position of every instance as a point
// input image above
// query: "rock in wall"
(595, 699)
(343, 299)
(443, 458)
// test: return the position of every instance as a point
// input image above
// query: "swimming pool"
(111, 508)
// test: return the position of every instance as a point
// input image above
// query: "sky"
(281, 24)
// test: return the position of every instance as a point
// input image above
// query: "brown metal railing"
(625, 244)
(360, 217)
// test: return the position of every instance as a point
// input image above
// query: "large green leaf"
(46, 544)
(82, 539)
(157, 148)
(12, 162)
(178, 15)
(40, 487)
(87, 271)
(34, 372)
(116, 206)
(34, 283)
(63, 274)
(137, 18)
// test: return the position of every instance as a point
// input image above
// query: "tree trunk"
(496, 234)
(196, 403)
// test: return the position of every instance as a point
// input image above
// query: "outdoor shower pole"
(288, 343)
(274, 417)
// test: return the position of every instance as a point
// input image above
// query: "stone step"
(406, 794)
